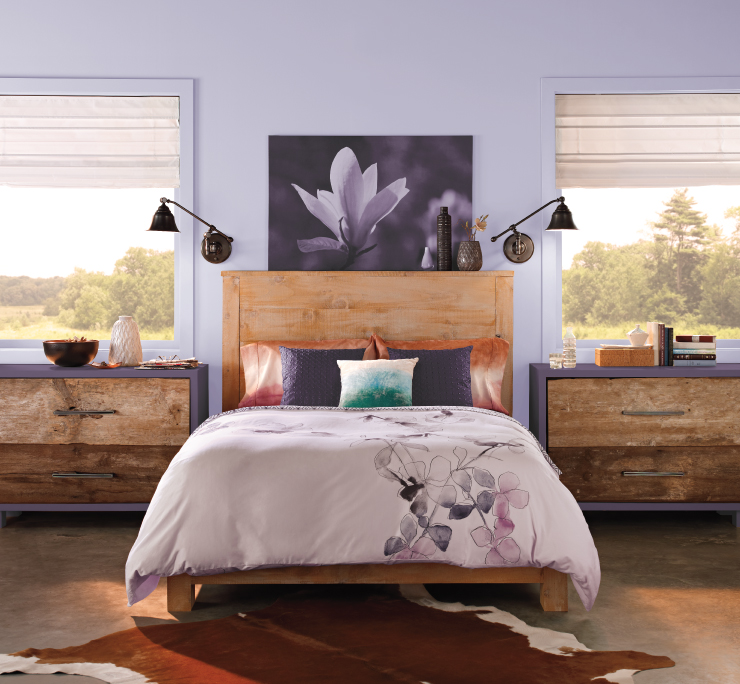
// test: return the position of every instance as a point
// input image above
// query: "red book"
(695, 338)
(661, 335)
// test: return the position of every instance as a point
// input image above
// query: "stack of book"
(695, 350)
(661, 339)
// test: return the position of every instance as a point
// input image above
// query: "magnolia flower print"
(354, 207)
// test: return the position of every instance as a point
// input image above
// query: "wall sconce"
(215, 247)
(519, 247)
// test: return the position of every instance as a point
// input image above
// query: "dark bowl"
(70, 354)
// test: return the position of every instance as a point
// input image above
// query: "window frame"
(31, 351)
(728, 351)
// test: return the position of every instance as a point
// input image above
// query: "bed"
(326, 305)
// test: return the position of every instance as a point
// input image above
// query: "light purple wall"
(377, 67)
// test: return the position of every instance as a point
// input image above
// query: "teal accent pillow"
(371, 384)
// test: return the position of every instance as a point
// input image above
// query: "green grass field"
(619, 332)
(29, 323)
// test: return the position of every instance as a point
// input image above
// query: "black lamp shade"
(163, 220)
(562, 219)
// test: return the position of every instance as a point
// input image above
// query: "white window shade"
(647, 141)
(91, 142)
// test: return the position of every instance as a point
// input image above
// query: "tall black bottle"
(444, 240)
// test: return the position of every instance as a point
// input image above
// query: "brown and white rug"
(308, 640)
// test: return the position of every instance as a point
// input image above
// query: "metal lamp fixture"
(215, 247)
(519, 247)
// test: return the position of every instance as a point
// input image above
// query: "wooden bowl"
(70, 354)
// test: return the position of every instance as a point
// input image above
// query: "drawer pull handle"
(84, 413)
(652, 413)
(83, 475)
(651, 473)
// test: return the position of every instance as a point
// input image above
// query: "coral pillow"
(372, 384)
(487, 363)
(263, 368)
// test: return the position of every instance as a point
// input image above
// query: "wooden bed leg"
(554, 590)
(180, 594)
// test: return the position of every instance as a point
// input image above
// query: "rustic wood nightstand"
(76, 439)
(653, 438)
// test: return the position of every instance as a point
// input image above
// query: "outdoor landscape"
(87, 303)
(684, 273)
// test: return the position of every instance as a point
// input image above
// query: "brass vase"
(469, 256)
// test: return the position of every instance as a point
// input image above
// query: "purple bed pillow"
(311, 377)
(441, 376)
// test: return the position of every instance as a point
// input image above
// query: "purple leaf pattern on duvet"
(457, 485)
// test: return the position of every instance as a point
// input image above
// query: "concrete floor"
(670, 586)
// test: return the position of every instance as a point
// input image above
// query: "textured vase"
(469, 256)
(125, 343)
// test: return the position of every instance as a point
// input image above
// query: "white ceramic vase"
(637, 337)
(125, 343)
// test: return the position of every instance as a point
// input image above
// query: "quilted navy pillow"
(441, 376)
(311, 377)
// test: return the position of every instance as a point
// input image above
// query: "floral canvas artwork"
(365, 202)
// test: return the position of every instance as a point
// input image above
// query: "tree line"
(142, 285)
(686, 268)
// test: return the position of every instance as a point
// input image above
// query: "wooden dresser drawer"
(26, 472)
(153, 411)
(666, 411)
(710, 474)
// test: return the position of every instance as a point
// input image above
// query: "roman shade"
(647, 141)
(90, 142)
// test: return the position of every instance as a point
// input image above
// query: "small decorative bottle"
(444, 240)
(125, 343)
(569, 349)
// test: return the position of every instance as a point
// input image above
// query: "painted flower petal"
(408, 527)
(441, 535)
(439, 469)
(518, 498)
(508, 481)
(404, 555)
(415, 469)
(445, 496)
(378, 208)
(503, 527)
(320, 243)
(485, 500)
(420, 505)
(482, 536)
(463, 479)
(321, 210)
(370, 182)
(484, 478)
(493, 557)
(347, 184)
(509, 549)
(501, 506)
(394, 545)
(425, 546)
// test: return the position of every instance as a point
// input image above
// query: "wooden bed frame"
(413, 305)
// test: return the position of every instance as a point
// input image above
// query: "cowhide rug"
(305, 639)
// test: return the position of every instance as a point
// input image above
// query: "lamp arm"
(212, 228)
(514, 225)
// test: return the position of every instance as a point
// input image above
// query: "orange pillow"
(263, 368)
(487, 362)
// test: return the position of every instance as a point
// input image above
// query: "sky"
(620, 216)
(58, 229)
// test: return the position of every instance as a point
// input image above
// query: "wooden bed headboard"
(397, 305)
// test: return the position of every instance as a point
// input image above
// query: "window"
(653, 182)
(81, 174)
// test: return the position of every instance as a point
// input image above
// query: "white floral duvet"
(286, 485)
